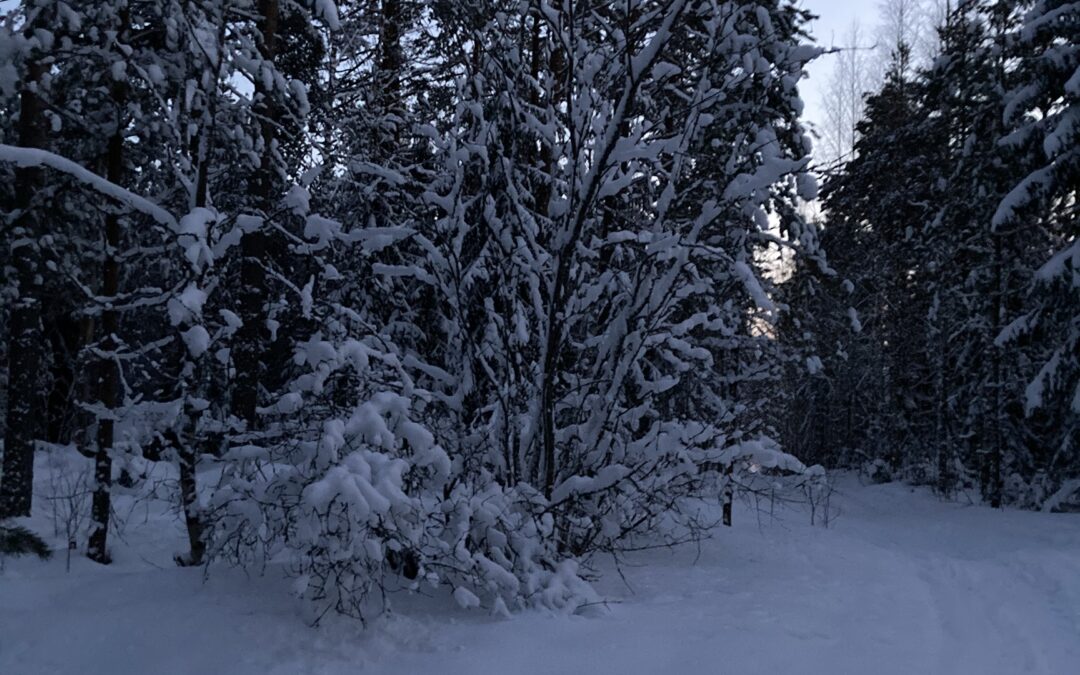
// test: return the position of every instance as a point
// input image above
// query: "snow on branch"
(34, 157)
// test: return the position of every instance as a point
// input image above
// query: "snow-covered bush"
(364, 499)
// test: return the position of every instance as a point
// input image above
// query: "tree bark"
(186, 443)
(390, 65)
(997, 420)
(109, 382)
(728, 493)
(24, 326)
(188, 456)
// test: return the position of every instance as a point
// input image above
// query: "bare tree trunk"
(997, 419)
(944, 458)
(109, 382)
(188, 455)
(560, 90)
(187, 443)
(390, 64)
(728, 493)
(24, 326)
(251, 337)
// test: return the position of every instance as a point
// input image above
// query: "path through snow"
(901, 583)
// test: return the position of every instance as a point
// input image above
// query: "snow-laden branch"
(34, 157)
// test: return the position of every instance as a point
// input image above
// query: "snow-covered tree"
(444, 293)
(943, 224)
(1043, 114)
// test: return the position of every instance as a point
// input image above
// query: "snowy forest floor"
(900, 582)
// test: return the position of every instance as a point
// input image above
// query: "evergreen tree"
(933, 268)
(1042, 117)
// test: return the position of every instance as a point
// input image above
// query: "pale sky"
(835, 17)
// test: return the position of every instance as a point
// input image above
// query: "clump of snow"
(197, 340)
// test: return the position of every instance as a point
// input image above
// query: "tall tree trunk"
(941, 426)
(24, 325)
(728, 494)
(187, 443)
(1001, 287)
(997, 415)
(546, 465)
(188, 455)
(251, 337)
(390, 64)
(109, 382)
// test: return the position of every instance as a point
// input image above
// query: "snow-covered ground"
(900, 583)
